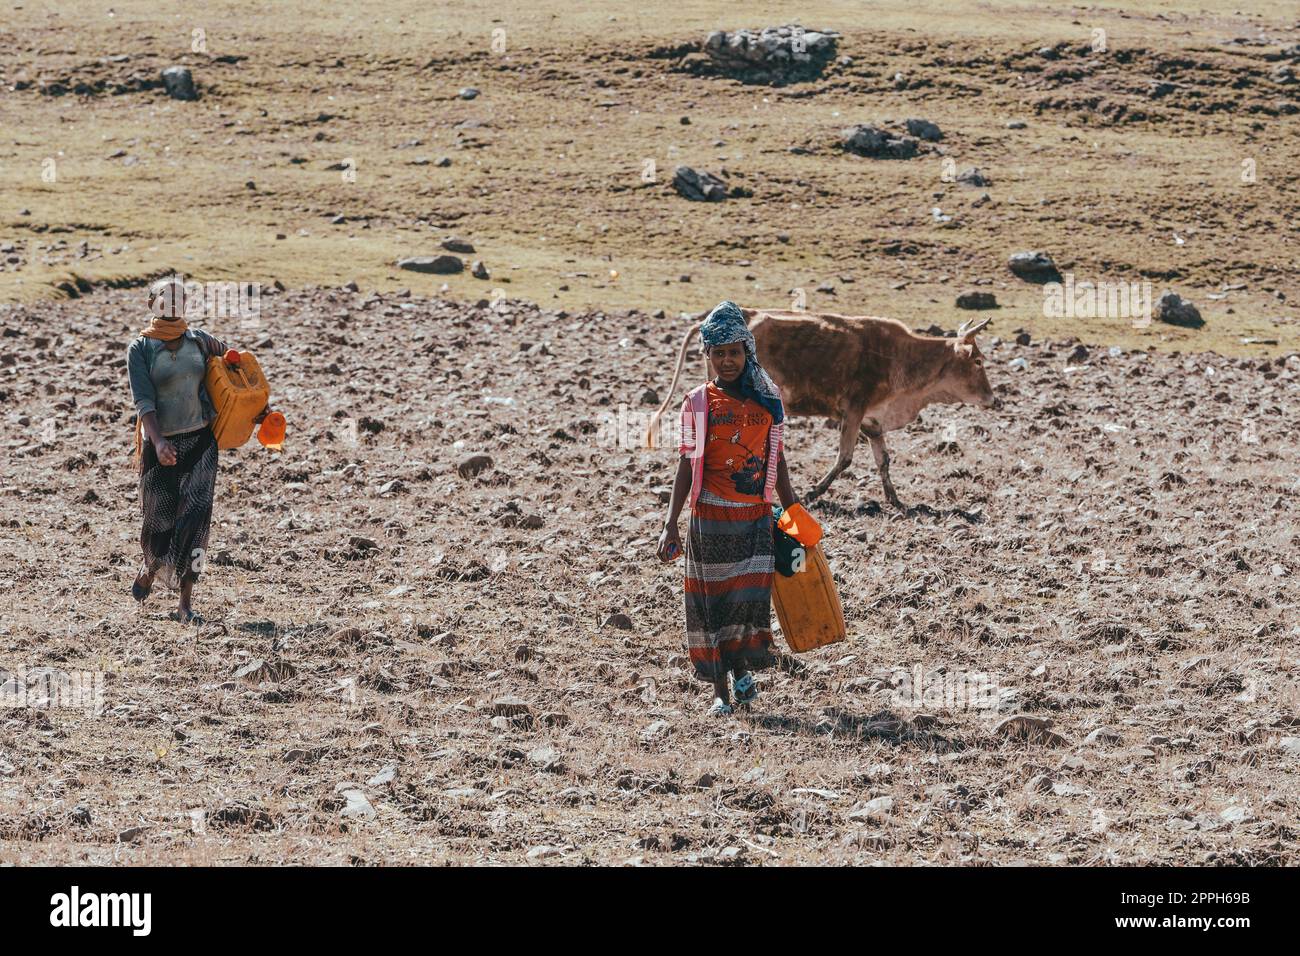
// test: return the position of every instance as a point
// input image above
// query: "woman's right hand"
(166, 453)
(670, 544)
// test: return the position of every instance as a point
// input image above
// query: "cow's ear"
(963, 348)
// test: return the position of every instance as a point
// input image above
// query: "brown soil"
(1115, 549)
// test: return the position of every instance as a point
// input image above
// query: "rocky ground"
(328, 143)
(415, 653)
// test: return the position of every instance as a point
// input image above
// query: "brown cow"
(873, 375)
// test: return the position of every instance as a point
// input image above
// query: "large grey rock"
(1034, 267)
(924, 129)
(179, 83)
(1174, 310)
(877, 143)
(698, 186)
(441, 265)
(773, 55)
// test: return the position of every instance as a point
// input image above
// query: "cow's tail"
(649, 440)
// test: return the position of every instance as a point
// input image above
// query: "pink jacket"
(695, 423)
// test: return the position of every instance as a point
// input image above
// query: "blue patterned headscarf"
(725, 324)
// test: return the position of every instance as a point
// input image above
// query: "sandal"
(746, 690)
(192, 617)
(719, 709)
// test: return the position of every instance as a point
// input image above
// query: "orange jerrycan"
(806, 602)
(239, 392)
(271, 432)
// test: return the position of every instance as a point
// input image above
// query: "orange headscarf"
(167, 330)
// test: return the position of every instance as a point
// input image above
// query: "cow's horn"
(969, 333)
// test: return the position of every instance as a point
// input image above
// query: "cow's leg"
(848, 439)
(877, 439)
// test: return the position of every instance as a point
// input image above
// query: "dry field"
(404, 664)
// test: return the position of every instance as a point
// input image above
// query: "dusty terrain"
(407, 664)
(1115, 549)
(1129, 165)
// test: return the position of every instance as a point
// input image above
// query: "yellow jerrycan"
(807, 603)
(239, 392)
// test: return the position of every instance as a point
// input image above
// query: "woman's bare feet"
(721, 697)
(184, 611)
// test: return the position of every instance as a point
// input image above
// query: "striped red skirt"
(729, 566)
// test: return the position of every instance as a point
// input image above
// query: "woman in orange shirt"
(733, 464)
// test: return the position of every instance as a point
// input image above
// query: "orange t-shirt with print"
(735, 451)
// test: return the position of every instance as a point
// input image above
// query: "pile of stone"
(773, 55)
(698, 186)
(878, 143)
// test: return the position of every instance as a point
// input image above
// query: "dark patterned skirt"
(729, 567)
(176, 502)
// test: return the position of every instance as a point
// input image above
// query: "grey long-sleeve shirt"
(170, 384)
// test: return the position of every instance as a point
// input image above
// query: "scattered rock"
(1033, 729)
(924, 129)
(698, 186)
(471, 465)
(1173, 310)
(479, 271)
(547, 758)
(179, 83)
(1236, 814)
(544, 852)
(468, 93)
(454, 244)
(1039, 783)
(348, 638)
(440, 265)
(774, 55)
(878, 808)
(510, 707)
(1034, 267)
(261, 671)
(977, 300)
(973, 177)
(1103, 735)
(877, 143)
(655, 731)
(357, 807)
(1063, 789)
(620, 621)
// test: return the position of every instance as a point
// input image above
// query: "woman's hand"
(670, 543)
(166, 452)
